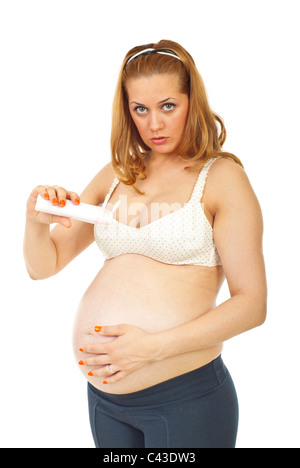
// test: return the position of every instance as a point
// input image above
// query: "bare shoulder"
(228, 182)
(99, 186)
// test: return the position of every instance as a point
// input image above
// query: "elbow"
(261, 313)
(262, 318)
(37, 276)
(34, 277)
(31, 273)
(255, 311)
(256, 301)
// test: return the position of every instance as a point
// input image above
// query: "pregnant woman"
(148, 335)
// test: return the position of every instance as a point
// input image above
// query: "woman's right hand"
(57, 196)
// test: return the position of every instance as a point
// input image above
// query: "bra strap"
(200, 184)
(112, 188)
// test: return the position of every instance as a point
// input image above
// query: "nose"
(156, 121)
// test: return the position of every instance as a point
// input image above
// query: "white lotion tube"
(83, 212)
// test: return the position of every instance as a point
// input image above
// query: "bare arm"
(238, 230)
(48, 252)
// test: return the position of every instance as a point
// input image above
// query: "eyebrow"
(160, 102)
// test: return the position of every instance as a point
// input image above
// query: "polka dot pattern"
(183, 237)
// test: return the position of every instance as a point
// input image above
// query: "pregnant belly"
(135, 290)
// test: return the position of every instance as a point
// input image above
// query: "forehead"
(153, 87)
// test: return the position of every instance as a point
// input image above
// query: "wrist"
(39, 251)
(163, 347)
(34, 225)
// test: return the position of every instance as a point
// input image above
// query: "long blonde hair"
(202, 139)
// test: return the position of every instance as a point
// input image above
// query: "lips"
(159, 140)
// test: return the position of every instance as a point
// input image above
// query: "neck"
(159, 161)
(163, 167)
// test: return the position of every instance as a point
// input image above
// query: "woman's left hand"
(132, 349)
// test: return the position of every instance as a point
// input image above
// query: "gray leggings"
(195, 410)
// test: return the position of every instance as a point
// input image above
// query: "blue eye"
(140, 110)
(168, 107)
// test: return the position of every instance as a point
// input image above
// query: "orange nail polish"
(77, 201)
(97, 329)
(104, 381)
(91, 374)
(62, 203)
(81, 363)
(80, 349)
(54, 201)
(46, 196)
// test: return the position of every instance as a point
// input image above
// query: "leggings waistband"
(186, 386)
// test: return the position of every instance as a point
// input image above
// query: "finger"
(103, 372)
(52, 194)
(98, 372)
(95, 348)
(114, 378)
(40, 190)
(100, 360)
(61, 194)
(62, 220)
(74, 197)
(112, 330)
(31, 202)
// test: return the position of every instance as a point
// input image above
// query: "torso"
(155, 296)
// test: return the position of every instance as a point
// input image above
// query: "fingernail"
(80, 349)
(46, 196)
(62, 203)
(81, 363)
(91, 374)
(54, 201)
(104, 381)
(97, 329)
(77, 201)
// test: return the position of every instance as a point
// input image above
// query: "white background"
(59, 63)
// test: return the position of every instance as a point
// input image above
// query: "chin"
(163, 149)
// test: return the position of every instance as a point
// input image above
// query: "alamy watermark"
(138, 215)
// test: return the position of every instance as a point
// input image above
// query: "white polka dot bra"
(182, 237)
